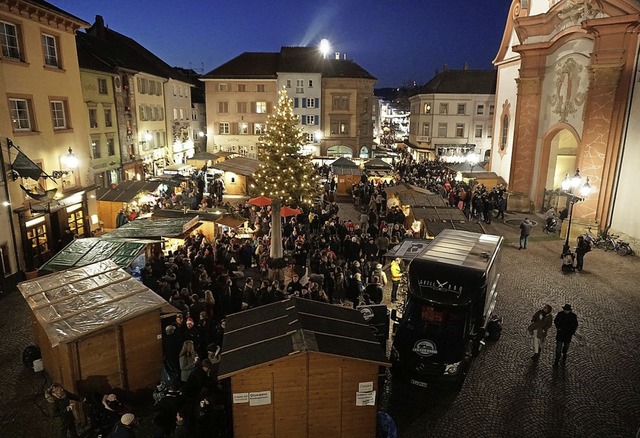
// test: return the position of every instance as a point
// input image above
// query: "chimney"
(465, 66)
(337, 55)
(445, 67)
(344, 56)
(99, 27)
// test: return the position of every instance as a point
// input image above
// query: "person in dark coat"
(171, 346)
(582, 248)
(566, 323)
(355, 289)
(374, 290)
(62, 409)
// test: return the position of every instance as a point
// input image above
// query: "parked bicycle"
(596, 240)
(613, 243)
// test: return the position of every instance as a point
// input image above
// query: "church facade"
(568, 100)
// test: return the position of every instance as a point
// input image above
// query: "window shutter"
(303, 120)
(304, 102)
(317, 102)
(316, 120)
(253, 107)
(234, 128)
(295, 102)
(269, 107)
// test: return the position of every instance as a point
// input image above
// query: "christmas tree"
(285, 176)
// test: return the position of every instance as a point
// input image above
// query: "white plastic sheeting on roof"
(71, 304)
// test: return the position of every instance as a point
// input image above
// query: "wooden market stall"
(97, 327)
(300, 368)
(110, 201)
(210, 220)
(435, 219)
(347, 173)
(237, 173)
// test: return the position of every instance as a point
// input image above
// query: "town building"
(43, 122)
(452, 115)
(567, 99)
(332, 97)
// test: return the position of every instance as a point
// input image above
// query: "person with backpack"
(582, 248)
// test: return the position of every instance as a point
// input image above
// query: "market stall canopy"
(294, 326)
(154, 229)
(344, 162)
(406, 188)
(417, 199)
(260, 201)
(288, 211)
(82, 252)
(77, 302)
(238, 165)
(377, 164)
(208, 215)
(126, 191)
(230, 221)
(206, 156)
(437, 219)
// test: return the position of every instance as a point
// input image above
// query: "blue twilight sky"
(397, 41)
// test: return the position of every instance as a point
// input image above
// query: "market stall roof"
(74, 303)
(377, 164)
(126, 191)
(418, 199)
(343, 162)
(437, 219)
(347, 171)
(406, 188)
(465, 167)
(82, 252)
(239, 165)
(293, 326)
(205, 156)
(218, 216)
(154, 229)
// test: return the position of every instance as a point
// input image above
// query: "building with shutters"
(332, 97)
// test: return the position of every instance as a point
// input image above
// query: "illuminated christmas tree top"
(285, 175)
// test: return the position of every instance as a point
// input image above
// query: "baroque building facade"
(567, 98)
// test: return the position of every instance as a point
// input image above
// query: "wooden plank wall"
(99, 362)
(333, 383)
(141, 340)
(286, 416)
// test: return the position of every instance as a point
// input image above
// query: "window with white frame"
(261, 107)
(95, 148)
(299, 85)
(339, 127)
(223, 128)
(241, 107)
(480, 110)
(478, 132)
(242, 88)
(152, 87)
(21, 114)
(223, 87)
(311, 103)
(258, 129)
(243, 128)
(50, 50)
(288, 83)
(310, 120)
(10, 38)
(181, 113)
(175, 114)
(459, 129)
(223, 107)
(260, 88)
(426, 129)
(102, 86)
(58, 114)
(108, 118)
(310, 137)
(442, 130)
(444, 108)
(462, 109)
(489, 130)
(310, 83)
(491, 109)
(93, 117)
(111, 147)
(340, 102)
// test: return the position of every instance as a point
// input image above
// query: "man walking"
(566, 323)
(540, 324)
(525, 229)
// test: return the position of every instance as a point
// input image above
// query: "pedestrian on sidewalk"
(566, 323)
(525, 229)
(540, 324)
(582, 248)
(62, 409)
(396, 276)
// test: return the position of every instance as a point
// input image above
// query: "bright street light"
(325, 47)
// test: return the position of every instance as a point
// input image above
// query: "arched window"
(504, 132)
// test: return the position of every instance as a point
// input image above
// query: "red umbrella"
(260, 201)
(288, 211)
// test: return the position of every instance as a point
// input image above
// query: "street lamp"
(69, 162)
(568, 186)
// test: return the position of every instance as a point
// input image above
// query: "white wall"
(506, 90)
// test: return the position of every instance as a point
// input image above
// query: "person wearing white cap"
(124, 427)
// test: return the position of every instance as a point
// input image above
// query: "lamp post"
(568, 186)
(69, 162)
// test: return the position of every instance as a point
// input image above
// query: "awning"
(230, 221)
(154, 229)
(126, 191)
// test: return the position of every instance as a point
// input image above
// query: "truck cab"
(450, 300)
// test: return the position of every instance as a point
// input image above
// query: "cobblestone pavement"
(597, 393)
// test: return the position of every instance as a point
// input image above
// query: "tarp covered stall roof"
(212, 215)
(406, 188)
(206, 156)
(437, 219)
(347, 171)
(377, 164)
(422, 200)
(82, 252)
(154, 229)
(343, 162)
(238, 165)
(74, 303)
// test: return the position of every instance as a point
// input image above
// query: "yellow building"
(43, 113)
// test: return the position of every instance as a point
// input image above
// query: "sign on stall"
(365, 386)
(241, 397)
(366, 398)
(259, 398)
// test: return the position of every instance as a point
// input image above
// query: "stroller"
(567, 262)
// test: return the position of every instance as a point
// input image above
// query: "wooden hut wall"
(141, 340)
(108, 212)
(345, 182)
(333, 384)
(287, 414)
(237, 187)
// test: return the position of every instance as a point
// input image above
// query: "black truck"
(450, 302)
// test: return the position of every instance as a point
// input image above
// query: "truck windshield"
(444, 325)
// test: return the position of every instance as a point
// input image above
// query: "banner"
(26, 168)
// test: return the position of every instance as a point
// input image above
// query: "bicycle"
(613, 243)
(596, 241)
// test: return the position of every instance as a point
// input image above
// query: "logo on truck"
(367, 313)
(441, 286)
(425, 348)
